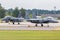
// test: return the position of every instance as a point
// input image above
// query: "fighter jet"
(6, 18)
(43, 20)
(12, 19)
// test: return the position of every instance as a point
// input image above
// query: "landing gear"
(48, 25)
(36, 25)
(18, 23)
(41, 25)
(13, 22)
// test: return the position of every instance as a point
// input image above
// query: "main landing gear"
(41, 25)
(37, 25)
(14, 23)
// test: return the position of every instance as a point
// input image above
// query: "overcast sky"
(31, 4)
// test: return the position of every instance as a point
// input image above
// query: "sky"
(31, 4)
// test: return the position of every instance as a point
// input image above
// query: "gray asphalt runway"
(24, 26)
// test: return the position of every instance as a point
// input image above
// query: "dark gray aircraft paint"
(12, 19)
(41, 21)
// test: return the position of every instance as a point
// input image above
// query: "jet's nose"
(27, 20)
(2, 19)
(55, 21)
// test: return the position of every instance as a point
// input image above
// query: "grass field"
(29, 35)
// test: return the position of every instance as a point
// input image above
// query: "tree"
(2, 11)
(15, 12)
(7, 14)
(10, 12)
(22, 12)
(30, 15)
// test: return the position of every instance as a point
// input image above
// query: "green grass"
(29, 35)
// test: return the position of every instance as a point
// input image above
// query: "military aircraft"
(12, 19)
(44, 20)
(6, 18)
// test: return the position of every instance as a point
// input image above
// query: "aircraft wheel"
(48, 25)
(42, 25)
(36, 25)
(18, 23)
(13, 22)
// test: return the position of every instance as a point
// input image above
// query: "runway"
(24, 26)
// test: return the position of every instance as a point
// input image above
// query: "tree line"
(22, 12)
